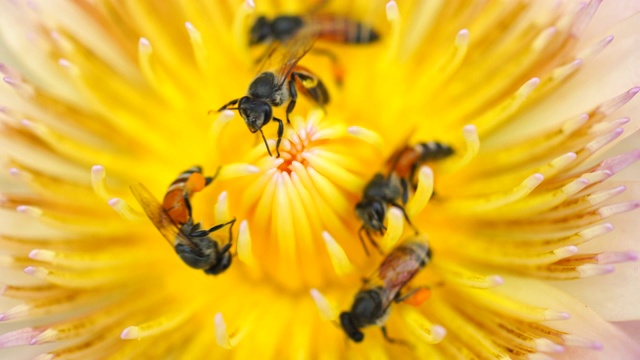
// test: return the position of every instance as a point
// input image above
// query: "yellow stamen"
(472, 146)
(395, 33)
(165, 323)
(460, 275)
(239, 31)
(125, 210)
(395, 226)
(245, 253)
(422, 328)
(423, 192)
(222, 213)
(328, 311)
(232, 171)
(366, 135)
(199, 49)
(517, 309)
(338, 256)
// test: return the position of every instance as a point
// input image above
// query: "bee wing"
(159, 217)
(281, 58)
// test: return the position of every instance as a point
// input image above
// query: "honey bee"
(325, 27)
(279, 85)
(174, 220)
(394, 189)
(372, 304)
(408, 159)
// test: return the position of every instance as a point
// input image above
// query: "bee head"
(372, 212)
(260, 31)
(349, 328)
(256, 113)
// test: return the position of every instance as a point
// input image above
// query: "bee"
(394, 189)
(174, 220)
(372, 304)
(274, 88)
(326, 27)
(408, 159)
(379, 193)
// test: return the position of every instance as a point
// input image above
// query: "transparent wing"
(281, 58)
(158, 217)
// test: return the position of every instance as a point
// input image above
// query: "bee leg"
(294, 97)
(405, 190)
(265, 142)
(280, 133)
(220, 226)
(406, 216)
(410, 293)
(338, 70)
(364, 246)
(227, 105)
(373, 242)
(394, 341)
(209, 179)
(187, 203)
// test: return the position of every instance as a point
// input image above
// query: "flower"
(99, 96)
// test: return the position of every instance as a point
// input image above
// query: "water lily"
(529, 221)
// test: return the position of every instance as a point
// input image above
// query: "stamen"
(236, 170)
(595, 231)
(395, 226)
(327, 310)
(98, 182)
(617, 102)
(222, 337)
(461, 275)
(517, 309)
(613, 209)
(33, 211)
(199, 49)
(472, 146)
(544, 37)
(423, 192)
(337, 255)
(215, 133)
(589, 270)
(583, 17)
(537, 356)
(596, 49)
(420, 326)
(245, 253)
(573, 124)
(607, 126)
(562, 72)
(604, 195)
(366, 135)
(601, 141)
(483, 204)
(548, 346)
(395, 33)
(165, 323)
(597, 176)
(240, 32)
(222, 213)
(144, 59)
(578, 341)
(15, 312)
(612, 257)
(20, 175)
(126, 211)
(617, 163)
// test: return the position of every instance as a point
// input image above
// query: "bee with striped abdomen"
(372, 304)
(174, 220)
